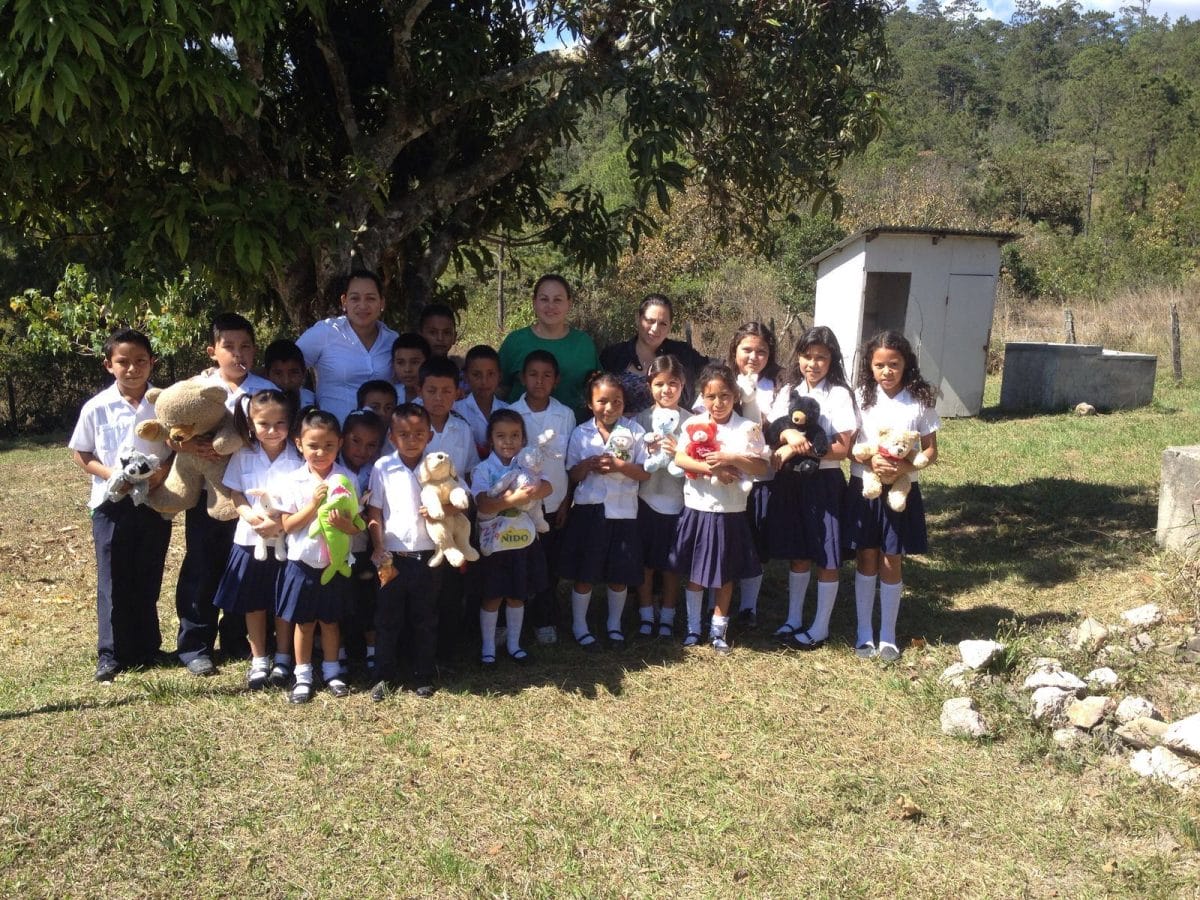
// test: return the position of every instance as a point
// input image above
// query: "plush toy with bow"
(340, 498)
(894, 444)
(130, 476)
(663, 424)
(526, 470)
(266, 509)
(702, 440)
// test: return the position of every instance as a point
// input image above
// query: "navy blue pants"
(207, 550)
(131, 547)
(406, 622)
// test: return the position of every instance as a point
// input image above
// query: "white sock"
(797, 588)
(331, 670)
(646, 613)
(283, 659)
(370, 651)
(666, 616)
(260, 663)
(889, 611)
(616, 606)
(749, 593)
(516, 617)
(826, 596)
(304, 673)
(720, 624)
(579, 608)
(864, 603)
(695, 599)
(342, 657)
(710, 601)
(487, 627)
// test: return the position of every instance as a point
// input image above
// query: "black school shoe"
(106, 672)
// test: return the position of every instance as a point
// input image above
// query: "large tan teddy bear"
(183, 411)
(444, 500)
(894, 444)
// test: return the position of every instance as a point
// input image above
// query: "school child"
(304, 601)
(406, 610)
(804, 512)
(482, 371)
(509, 573)
(130, 539)
(541, 412)
(890, 391)
(438, 325)
(378, 396)
(660, 501)
(363, 436)
(409, 353)
(283, 364)
(250, 586)
(713, 544)
(600, 542)
(208, 542)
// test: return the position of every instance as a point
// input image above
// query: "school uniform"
(364, 578)
(249, 584)
(872, 524)
(342, 363)
(207, 543)
(804, 512)
(713, 544)
(406, 610)
(600, 542)
(456, 439)
(518, 572)
(130, 540)
(660, 503)
(468, 408)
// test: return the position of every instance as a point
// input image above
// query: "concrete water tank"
(1055, 377)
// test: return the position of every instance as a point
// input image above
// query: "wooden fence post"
(1069, 323)
(1176, 352)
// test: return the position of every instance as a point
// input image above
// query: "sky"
(1173, 9)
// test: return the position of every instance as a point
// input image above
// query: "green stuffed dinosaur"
(341, 497)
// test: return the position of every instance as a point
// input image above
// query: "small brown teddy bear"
(183, 411)
(894, 444)
(444, 500)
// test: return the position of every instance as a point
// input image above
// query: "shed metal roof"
(869, 234)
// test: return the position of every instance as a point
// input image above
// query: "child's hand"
(341, 521)
(783, 454)
(521, 495)
(886, 469)
(267, 528)
(560, 514)
(669, 443)
(725, 474)
(320, 493)
(201, 446)
(381, 557)
(423, 512)
(798, 442)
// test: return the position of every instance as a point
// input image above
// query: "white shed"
(936, 285)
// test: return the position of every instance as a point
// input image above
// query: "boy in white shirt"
(483, 378)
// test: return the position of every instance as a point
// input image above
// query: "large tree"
(265, 145)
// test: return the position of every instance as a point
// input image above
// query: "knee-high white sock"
(516, 617)
(304, 673)
(749, 592)
(616, 606)
(889, 610)
(797, 588)
(330, 670)
(695, 600)
(579, 608)
(719, 627)
(487, 627)
(864, 603)
(646, 614)
(666, 615)
(826, 596)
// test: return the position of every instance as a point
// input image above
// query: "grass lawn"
(655, 771)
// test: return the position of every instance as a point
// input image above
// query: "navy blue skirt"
(657, 533)
(804, 517)
(873, 525)
(304, 599)
(596, 550)
(758, 506)
(518, 574)
(248, 585)
(712, 549)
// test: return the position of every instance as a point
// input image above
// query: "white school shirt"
(342, 363)
(738, 435)
(250, 385)
(903, 411)
(837, 410)
(617, 492)
(307, 398)
(293, 490)
(456, 439)
(396, 493)
(250, 469)
(559, 418)
(469, 409)
(105, 427)
(663, 493)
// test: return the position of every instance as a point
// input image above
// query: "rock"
(1052, 675)
(1117, 656)
(1162, 765)
(1088, 712)
(979, 654)
(957, 675)
(1142, 732)
(1088, 636)
(1084, 409)
(1146, 616)
(1141, 642)
(1066, 738)
(961, 718)
(1184, 736)
(1189, 651)
(1049, 704)
(1131, 708)
(1102, 678)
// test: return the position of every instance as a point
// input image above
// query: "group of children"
(595, 515)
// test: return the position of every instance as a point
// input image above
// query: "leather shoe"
(106, 671)
(201, 666)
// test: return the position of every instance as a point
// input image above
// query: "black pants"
(207, 550)
(543, 607)
(406, 622)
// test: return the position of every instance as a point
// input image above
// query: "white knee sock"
(797, 588)
(487, 627)
(864, 603)
(646, 614)
(719, 627)
(616, 606)
(666, 616)
(304, 673)
(826, 596)
(749, 592)
(889, 610)
(331, 670)
(695, 600)
(516, 617)
(283, 659)
(579, 608)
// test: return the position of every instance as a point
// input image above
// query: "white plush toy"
(131, 475)
(663, 423)
(445, 501)
(748, 389)
(620, 443)
(527, 468)
(262, 545)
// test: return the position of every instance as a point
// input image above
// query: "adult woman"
(629, 360)
(349, 349)
(574, 350)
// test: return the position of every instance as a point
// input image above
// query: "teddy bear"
(804, 415)
(527, 467)
(445, 500)
(185, 410)
(893, 444)
(265, 508)
(339, 498)
(620, 443)
(663, 423)
(130, 476)
(702, 440)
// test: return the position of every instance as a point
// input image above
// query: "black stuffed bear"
(804, 414)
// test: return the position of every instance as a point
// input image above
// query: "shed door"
(964, 347)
